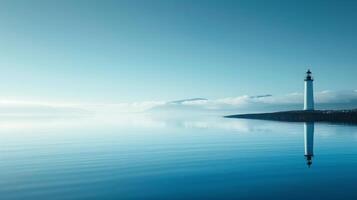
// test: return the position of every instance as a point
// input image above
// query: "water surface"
(200, 158)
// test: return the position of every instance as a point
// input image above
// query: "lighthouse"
(309, 142)
(309, 93)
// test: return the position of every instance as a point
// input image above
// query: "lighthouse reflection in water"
(309, 141)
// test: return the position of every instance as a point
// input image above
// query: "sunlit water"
(201, 158)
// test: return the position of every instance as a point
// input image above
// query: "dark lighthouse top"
(308, 76)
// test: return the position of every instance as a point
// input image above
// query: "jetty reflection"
(309, 141)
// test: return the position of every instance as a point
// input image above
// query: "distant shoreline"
(336, 116)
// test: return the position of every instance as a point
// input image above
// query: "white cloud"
(324, 100)
(242, 103)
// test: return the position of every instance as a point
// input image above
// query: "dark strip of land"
(336, 116)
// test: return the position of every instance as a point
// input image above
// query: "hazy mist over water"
(178, 108)
(141, 156)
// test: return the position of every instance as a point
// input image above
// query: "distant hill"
(182, 106)
(187, 100)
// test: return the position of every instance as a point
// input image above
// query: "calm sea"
(141, 157)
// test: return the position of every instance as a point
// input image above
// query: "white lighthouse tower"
(309, 93)
(309, 142)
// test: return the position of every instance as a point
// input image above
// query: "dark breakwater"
(337, 116)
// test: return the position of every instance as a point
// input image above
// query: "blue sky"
(120, 51)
